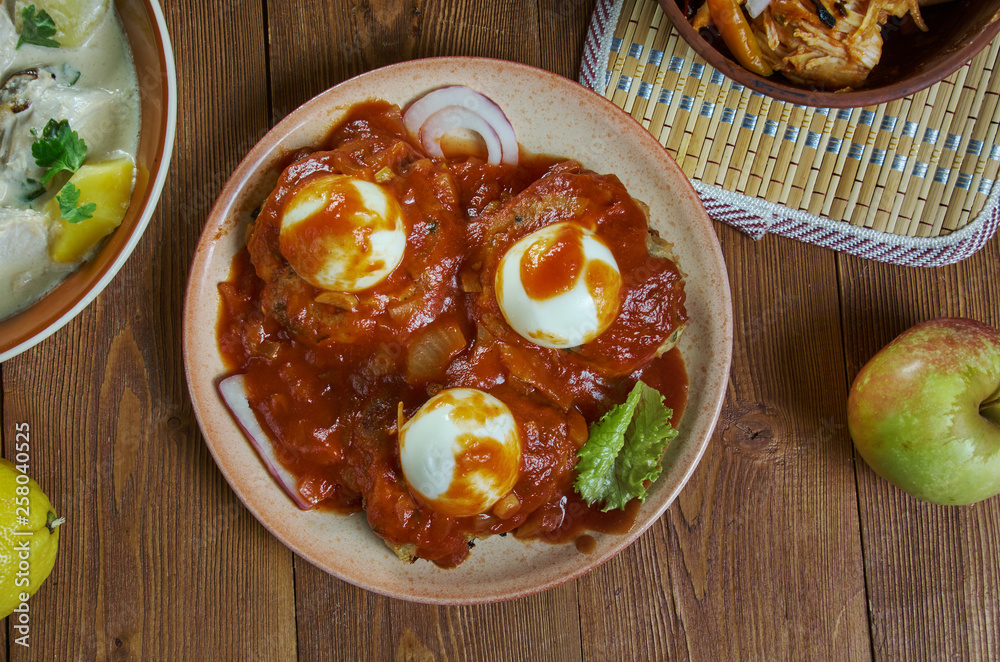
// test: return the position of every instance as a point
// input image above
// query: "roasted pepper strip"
(735, 30)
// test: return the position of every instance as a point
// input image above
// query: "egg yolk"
(341, 233)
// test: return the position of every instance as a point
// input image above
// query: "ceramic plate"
(551, 115)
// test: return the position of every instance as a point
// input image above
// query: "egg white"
(449, 424)
(569, 319)
(349, 261)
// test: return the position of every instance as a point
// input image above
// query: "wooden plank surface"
(760, 557)
(784, 545)
(933, 572)
(158, 559)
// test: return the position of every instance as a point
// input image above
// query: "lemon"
(29, 537)
(74, 19)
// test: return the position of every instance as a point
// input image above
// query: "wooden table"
(783, 546)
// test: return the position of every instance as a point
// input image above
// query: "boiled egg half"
(461, 452)
(342, 233)
(559, 286)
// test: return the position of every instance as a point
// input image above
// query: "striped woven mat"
(909, 182)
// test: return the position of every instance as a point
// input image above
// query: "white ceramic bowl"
(154, 63)
(550, 115)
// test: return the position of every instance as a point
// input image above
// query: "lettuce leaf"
(624, 450)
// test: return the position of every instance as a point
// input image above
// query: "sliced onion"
(234, 394)
(432, 349)
(421, 110)
(451, 118)
(755, 7)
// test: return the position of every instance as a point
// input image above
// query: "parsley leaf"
(69, 198)
(59, 148)
(37, 29)
(624, 450)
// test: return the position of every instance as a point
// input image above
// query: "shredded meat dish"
(817, 43)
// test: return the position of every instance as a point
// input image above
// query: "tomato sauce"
(550, 270)
(326, 372)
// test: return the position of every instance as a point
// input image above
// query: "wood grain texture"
(563, 29)
(933, 572)
(315, 44)
(341, 622)
(760, 557)
(158, 560)
(783, 546)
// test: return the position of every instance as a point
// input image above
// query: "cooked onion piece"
(341, 233)
(461, 452)
(233, 392)
(559, 287)
(755, 7)
(457, 107)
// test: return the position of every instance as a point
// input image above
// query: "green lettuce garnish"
(624, 450)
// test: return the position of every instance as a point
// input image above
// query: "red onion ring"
(451, 118)
(421, 110)
(233, 392)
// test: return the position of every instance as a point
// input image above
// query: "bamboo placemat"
(911, 181)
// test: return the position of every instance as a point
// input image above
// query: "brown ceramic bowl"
(550, 115)
(911, 60)
(154, 63)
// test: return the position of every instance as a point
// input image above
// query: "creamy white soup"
(93, 88)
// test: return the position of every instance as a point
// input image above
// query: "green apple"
(925, 411)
